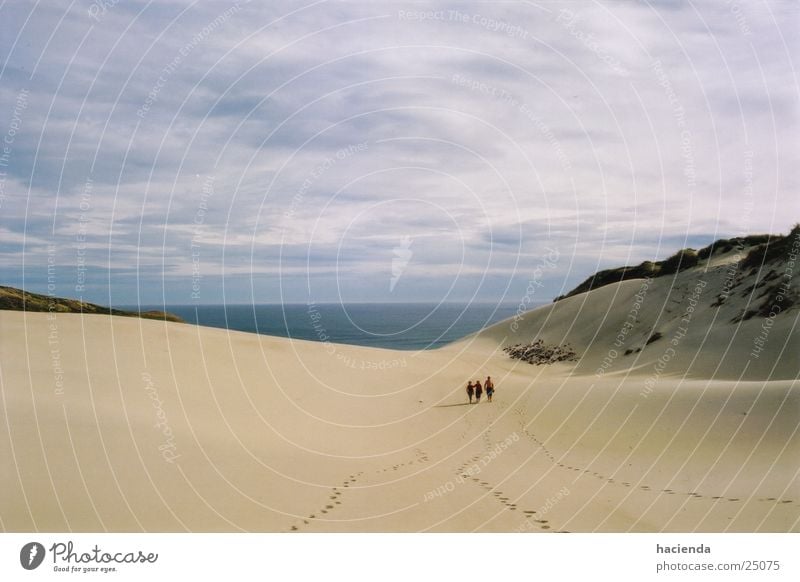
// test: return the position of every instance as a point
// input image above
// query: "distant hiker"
(470, 391)
(489, 388)
(478, 391)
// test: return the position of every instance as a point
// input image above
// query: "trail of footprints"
(332, 503)
(462, 471)
(613, 481)
(420, 456)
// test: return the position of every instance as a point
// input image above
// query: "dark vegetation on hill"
(764, 249)
(769, 286)
(18, 300)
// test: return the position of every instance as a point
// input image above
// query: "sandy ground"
(118, 424)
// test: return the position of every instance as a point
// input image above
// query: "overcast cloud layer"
(208, 151)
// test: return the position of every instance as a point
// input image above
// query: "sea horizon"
(416, 325)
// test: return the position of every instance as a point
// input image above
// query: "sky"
(206, 152)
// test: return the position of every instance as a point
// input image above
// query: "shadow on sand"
(451, 405)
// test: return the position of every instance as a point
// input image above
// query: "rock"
(537, 352)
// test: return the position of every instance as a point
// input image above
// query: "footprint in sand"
(545, 527)
(529, 512)
(294, 528)
(733, 499)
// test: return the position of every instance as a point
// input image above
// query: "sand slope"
(168, 427)
(709, 336)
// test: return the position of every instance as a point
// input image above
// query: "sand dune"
(118, 424)
(709, 339)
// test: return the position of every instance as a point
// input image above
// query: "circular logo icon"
(31, 555)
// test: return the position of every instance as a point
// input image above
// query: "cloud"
(263, 141)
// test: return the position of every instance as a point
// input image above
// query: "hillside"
(731, 313)
(757, 246)
(13, 299)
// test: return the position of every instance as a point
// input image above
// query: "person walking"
(489, 388)
(478, 391)
(470, 391)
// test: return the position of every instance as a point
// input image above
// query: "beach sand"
(119, 424)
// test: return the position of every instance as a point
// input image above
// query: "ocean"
(399, 326)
